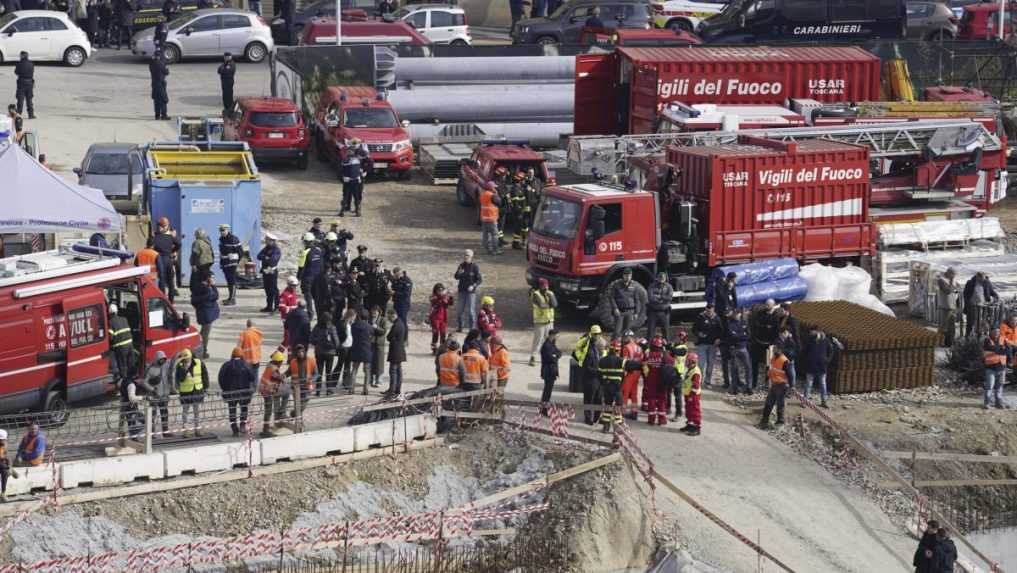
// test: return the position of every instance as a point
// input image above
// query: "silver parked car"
(210, 32)
(115, 169)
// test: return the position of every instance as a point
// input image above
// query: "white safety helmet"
(3, 434)
(330, 236)
(113, 308)
(308, 237)
(292, 281)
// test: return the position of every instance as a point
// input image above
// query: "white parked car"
(45, 35)
(210, 32)
(684, 15)
(440, 23)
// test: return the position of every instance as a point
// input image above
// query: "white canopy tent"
(33, 199)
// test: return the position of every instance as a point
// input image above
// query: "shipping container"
(813, 194)
(623, 92)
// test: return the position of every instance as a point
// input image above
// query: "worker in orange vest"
(449, 365)
(489, 203)
(500, 362)
(779, 374)
(146, 258)
(269, 387)
(1008, 334)
(476, 367)
(250, 345)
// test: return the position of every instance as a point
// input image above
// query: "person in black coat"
(360, 353)
(298, 326)
(227, 73)
(124, 13)
(724, 297)
(736, 339)
(170, 9)
(92, 16)
(396, 353)
(236, 380)
(816, 355)
(25, 84)
(269, 257)
(205, 300)
(158, 71)
(926, 549)
(402, 292)
(944, 555)
(354, 292)
(549, 356)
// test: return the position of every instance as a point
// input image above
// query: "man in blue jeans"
(737, 338)
(995, 353)
(707, 330)
(469, 278)
(817, 352)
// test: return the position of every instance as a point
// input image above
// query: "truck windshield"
(274, 118)
(370, 117)
(557, 218)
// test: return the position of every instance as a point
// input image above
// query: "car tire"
(255, 52)
(74, 56)
(547, 41)
(679, 26)
(170, 54)
(459, 42)
(54, 409)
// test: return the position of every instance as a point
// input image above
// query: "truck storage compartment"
(763, 199)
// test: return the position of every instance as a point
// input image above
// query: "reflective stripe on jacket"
(192, 379)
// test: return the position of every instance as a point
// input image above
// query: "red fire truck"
(732, 203)
(54, 326)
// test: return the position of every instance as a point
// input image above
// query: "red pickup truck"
(346, 113)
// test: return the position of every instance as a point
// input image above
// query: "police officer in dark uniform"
(159, 36)
(166, 243)
(316, 230)
(158, 71)
(227, 71)
(25, 72)
(230, 251)
(269, 257)
(353, 181)
(360, 263)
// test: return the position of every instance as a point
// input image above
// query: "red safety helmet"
(616, 344)
(657, 342)
(163, 222)
(682, 336)
(520, 176)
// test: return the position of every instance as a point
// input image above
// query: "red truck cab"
(488, 157)
(272, 127)
(54, 321)
(346, 113)
(981, 21)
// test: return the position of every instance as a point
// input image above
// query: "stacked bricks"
(880, 352)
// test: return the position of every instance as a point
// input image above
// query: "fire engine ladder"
(609, 155)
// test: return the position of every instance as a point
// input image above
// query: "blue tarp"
(794, 288)
(757, 273)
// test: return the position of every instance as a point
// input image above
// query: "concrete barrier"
(112, 471)
(216, 457)
(320, 443)
(35, 477)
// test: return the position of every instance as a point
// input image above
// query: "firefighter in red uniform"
(654, 361)
(692, 390)
(631, 351)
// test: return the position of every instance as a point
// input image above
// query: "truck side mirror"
(77, 171)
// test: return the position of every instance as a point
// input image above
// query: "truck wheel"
(54, 409)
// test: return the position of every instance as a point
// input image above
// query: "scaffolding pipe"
(482, 104)
(493, 69)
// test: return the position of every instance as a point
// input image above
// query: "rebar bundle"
(880, 352)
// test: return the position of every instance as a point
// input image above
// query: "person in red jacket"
(288, 297)
(692, 390)
(655, 361)
(630, 384)
(487, 319)
(438, 318)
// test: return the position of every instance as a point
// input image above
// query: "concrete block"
(35, 477)
(314, 444)
(211, 458)
(112, 471)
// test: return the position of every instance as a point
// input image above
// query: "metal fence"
(971, 517)
(544, 555)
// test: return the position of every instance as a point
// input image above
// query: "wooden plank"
(444, 398)
(951, 483)
(951, 457)
(232, 475)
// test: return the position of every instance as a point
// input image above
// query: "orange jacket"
(476, 367)
(488, 210)
(250, 344)
(1007, 335)
(450, 369)
(306, 378)
(270, 380)
(501, 363)
(777, 373)
(147, 257)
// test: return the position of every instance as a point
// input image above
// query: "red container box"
(648, 78)
(761, 198)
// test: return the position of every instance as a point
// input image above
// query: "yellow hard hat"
(487, 300)
(185, 354)
(595, 329)
(278, 357)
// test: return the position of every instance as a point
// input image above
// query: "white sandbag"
(823, 284)
(871, 302)
(853, 282)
